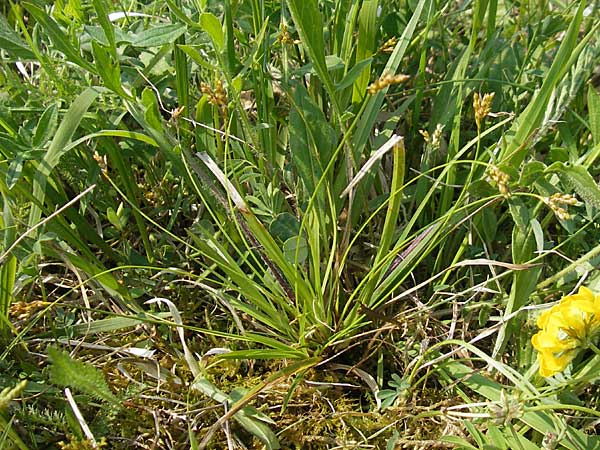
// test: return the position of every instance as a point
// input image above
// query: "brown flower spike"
(216, 96)
(482, 107)
(385, 81)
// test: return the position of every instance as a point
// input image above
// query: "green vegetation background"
(296, 224)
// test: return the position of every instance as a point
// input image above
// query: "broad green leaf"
(538, 233)
(489, 224)
(113, 218)
(285, 226)
(311, 138)
(520, 216)
(159, 35)
(16, 165)
(213, 27)
(295, 247)
(152, 113)
(15, 168)
(531, 172)
(97, 34)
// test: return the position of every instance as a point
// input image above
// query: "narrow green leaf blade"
(108, 69)
(593, 100)
(369, 116)
(367, 31)
(12, 43)
(46, 126)
(65, 132)
(105, 23)
(309, 24)
(59, 38)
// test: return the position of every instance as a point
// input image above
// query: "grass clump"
(301, 224)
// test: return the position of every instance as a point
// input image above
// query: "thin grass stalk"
(131, 190)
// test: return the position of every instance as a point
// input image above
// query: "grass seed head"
(556, 201)
(482, 106)
(385, 81)
(388, 46)
(285, 38)
(216, 96)
(500, 178)
(433, 141)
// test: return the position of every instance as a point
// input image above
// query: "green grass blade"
(309, 24)
(107, 26)
(374, 103)
(593, 100)
(65, 132)
(365, 43)
(59, 38)
(393, 208)
(8, 269)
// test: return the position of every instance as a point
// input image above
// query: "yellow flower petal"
(543, 341)
(564, 328)
(585, 293)
(545, 316)
(551, 364)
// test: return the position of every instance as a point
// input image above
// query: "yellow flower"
(564, 329)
